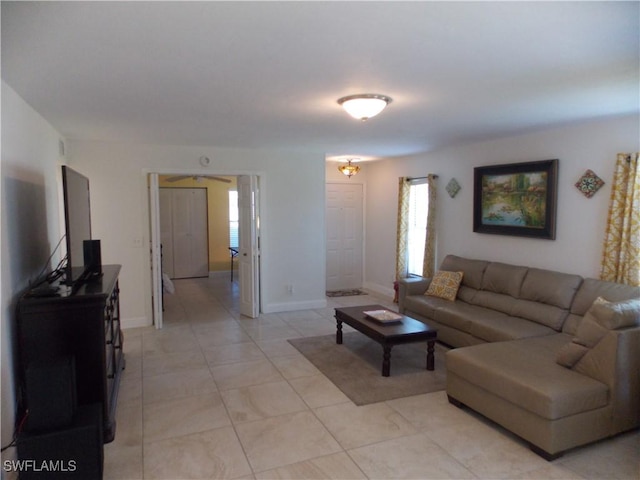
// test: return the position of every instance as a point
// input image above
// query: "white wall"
(292, 216)
(580, 221)
(30, 223)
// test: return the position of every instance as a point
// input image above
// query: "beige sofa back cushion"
(541, 313)
(549, 287)
(472, 269)
(503, 278)
(495, 301)
(592, 289)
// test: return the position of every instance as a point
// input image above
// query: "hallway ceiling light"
(349, 170)
(364, 105)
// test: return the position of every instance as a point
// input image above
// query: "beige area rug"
(355, 367)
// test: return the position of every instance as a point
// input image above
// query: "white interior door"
(344, 235)
(249, 255)
(189, 231)
(156, 260)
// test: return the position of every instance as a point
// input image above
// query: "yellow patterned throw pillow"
(445, 285)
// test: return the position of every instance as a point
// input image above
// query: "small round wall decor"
(589, 183)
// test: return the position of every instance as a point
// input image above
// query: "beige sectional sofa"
(539, 357)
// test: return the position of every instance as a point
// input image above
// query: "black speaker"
(92, 257)
(50, 391)
(74, 452)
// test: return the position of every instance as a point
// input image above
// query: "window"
(233, 218)
(416, 235)
(417, 226)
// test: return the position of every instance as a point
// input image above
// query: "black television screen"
(77, 221)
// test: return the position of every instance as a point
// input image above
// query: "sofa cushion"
(570, 354)
(592, 289)
(495, 301)
(459, 315)
(549, 287)
(472, 269)
(524, 372)
(602, 317)
(615, 315)
(500, 328)
(503, 278)
(424, 305)
(615, 360)
(467, 294)
(571, 324)
(445, 285)
(548, 315)
(588, 333)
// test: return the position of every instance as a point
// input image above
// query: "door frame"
(153, 188)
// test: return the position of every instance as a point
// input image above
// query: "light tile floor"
(218, 395)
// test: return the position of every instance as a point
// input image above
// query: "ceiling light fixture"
(364, 105)
(348, 169)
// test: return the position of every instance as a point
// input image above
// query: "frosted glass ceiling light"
(348, 169)
(364, 105)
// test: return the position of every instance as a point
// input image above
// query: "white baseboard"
(136, 322)
(380, 290)
(291, 306)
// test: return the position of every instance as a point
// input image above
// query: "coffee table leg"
(338, 331)
(430, 360)
(386, 360)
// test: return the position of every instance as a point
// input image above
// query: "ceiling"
(267, 75)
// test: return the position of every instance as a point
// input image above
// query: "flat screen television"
(77, 222)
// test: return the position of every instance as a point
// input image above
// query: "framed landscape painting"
(516, 199)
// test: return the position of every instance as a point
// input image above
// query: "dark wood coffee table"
(406, 330)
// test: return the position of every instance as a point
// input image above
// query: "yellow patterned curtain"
(404, 188)
(428, 265)
(621, 255)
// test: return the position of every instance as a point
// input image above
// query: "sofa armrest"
(615, 362)
(411, 286)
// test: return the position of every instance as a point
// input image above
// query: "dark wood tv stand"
(83, 323)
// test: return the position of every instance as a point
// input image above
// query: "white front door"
(344, 235)
(249, 254)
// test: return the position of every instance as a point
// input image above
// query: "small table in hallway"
(406, 330)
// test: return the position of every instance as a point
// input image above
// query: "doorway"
(249, 255)
(344, 214)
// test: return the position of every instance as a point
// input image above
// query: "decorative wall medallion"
(453, 187)
(589, 183)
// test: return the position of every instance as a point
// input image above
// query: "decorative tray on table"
(383, 316)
